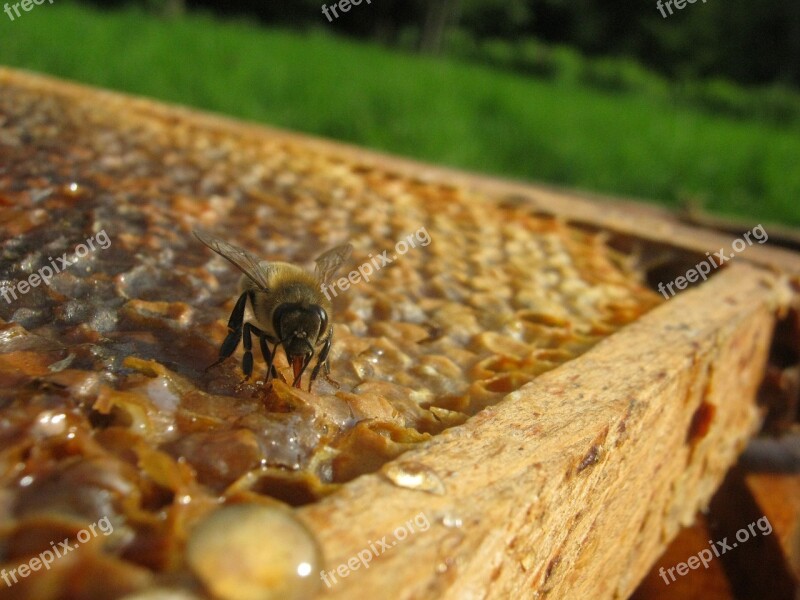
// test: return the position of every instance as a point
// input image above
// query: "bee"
(287, 307)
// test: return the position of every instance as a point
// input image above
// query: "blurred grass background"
(606, 125)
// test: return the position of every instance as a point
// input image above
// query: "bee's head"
(299, 327)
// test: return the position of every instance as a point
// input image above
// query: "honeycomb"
(107, 410)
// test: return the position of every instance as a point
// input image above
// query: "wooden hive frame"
(574, 484)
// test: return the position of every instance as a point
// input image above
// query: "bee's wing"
(329, 262)
(241, 258)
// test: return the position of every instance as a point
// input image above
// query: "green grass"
(444, 111)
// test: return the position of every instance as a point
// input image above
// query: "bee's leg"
(247, 359)
(234, 331)
(268, 356)
(322, 360)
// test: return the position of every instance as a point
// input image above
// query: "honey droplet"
(255, 552)
(414, 476)
(453, 521)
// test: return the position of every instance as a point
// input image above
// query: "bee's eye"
(277, 318)
(323, 319)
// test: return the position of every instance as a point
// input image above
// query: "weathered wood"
(575, 483)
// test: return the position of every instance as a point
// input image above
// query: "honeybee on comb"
(287, 306)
